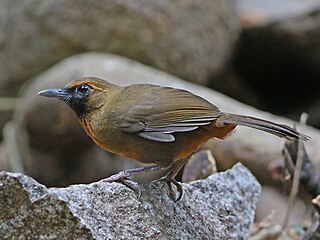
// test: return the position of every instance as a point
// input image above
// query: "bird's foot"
(133, 185)
(122, 177)
(169, 180)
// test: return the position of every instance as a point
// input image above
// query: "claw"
(179, 189)
(169, 178)
(122, 177)
(169, 182)
(134, 186)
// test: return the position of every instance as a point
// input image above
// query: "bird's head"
(83, 95)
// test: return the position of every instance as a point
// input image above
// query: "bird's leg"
(131, 172)
(123, 177)
(169, 178)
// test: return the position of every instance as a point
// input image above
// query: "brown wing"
(160, 111)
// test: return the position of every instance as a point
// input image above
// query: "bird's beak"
(55, 93)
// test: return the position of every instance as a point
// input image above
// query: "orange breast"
(148, 151)
(123, 149)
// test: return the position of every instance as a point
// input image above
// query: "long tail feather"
(264, 125)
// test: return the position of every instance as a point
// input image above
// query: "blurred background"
(263, 53)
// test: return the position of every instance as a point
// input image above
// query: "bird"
(156, 125)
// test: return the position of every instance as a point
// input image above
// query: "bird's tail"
(264, 125)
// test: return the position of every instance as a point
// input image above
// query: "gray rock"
(220, 207)
(190, 39)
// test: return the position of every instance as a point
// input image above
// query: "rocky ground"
(220, 207)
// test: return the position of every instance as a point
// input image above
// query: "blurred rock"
(220, 207)
(232, 85)
(200, 166)
(4, 164)
(7, 106)
(190, 39)
(55, 151)
(261, 12)
(278, 53)
(273, 200)
(314, 114)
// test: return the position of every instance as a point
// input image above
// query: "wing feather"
(160, 112)
(156, 136)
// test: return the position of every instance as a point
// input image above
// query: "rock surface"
(190, 39)
(220, 207)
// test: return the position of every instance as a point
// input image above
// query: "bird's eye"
(84, 89)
